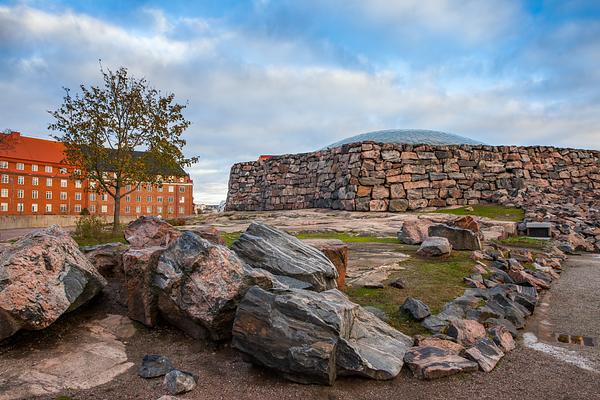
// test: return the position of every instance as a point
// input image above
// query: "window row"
(35, 181)
(35, 168)
(20, 193)
(63, 208)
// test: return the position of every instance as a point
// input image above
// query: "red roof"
(33, 149)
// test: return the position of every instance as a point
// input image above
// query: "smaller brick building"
(35, 181)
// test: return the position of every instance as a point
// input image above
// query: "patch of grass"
(230, 237)
(500, 213)
(106, 237)
(346, 237)
(434, 281)
(524, 241)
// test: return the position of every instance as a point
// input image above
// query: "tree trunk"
(117, 214)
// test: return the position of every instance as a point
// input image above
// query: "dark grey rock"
(460, 239)
(398, 283)
(435, 247)
(415, 308)
(262, 246)
(177, 382)
(311, 337)
(435, 324)
(154, 366)
(491, 322)
(429, 362)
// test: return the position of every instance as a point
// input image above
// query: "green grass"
(435, 281)
(108, 238)
(230, 237)
(500, 213)
(524, 241)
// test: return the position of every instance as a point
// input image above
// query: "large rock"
(414, 232)
(150, 231)
(43, 276)
(337, 252)
(485, 353)
(434, 247)
(262, 246)
(139, 266)
(209, 233)
(428, 362)
(312, 337)
(107, 257)
(467, 222)
(200, 284)
(460, 239)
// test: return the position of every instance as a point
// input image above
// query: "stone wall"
(392, 177)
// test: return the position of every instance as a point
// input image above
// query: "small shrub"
(176, 221)
(85, 211)
(89, 226)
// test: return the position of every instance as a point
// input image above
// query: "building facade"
(34, 181)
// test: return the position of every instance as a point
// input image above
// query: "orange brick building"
(34, 181)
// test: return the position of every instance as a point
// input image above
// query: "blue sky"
(271, 77)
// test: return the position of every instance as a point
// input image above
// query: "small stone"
(177, 382)
(434, 247)
(466, 331)
(154, 366)
(415, 308)
(398, 283)
(502, 337)
(434, 362)
(413, 232)
(485, 353)
(377, 312)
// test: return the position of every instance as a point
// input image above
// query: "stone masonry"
(371, 176)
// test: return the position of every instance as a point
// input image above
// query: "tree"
(7, 139)
(122, 133)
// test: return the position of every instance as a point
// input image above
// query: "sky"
(288, 76)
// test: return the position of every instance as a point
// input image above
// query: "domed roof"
(408, 136)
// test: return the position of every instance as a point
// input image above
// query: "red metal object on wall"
(35, 181)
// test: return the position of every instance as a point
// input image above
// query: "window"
(48, 195)
(104, 208)
(4, 192)
(77, 196)
(181, 180)
(170, 199)
(182, 199)
(20, 207)
(127, 209)
(4, 164)
(92, 196)
(63, 183)
(48, 208)
(20, 194)
(128, 188)
(128, 198)
(20, 166)
(181, 210)
(160, 188)
(21, 180)
(171, 189)
(158, 209)
(63, 170)
(170, 210)
(148, 199)
(138, 209)
(4, 178)
(3, 206)
(104, 197)
(139, 187)
(63, 195)
(149, 209)
(34, 208)
(181, 189)
(48, 169)
(34, 168)
(77, 172)
(92, 208)
(77, 208)
(92, 185)
(149, 188)
(35, 181)
(48, 181)
(159, 199)
(78, 184)
(138, 198)
(34, 194)
(63, 208)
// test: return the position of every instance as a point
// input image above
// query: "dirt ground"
(523, 373)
